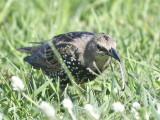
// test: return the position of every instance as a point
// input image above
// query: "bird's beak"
(112, 52)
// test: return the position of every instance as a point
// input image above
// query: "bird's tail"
(29, 50)
(26, 50)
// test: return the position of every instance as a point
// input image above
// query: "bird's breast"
(80, 73)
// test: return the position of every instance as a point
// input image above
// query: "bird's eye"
(100, 48)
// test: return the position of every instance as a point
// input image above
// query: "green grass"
(134, 24)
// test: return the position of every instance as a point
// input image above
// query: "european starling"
(81, 52)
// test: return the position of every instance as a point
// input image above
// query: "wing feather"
(42, 56)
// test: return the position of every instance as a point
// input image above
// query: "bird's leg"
(107, 63)
(94, 64)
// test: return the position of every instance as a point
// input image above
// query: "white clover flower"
(118, 107)
(92, 111)
(88, 107)
(67, 103)
(136, 105)
(61, 117)
(134, 108)
(17, 84)
(48, 110)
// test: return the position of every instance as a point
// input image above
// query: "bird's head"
(102, 45)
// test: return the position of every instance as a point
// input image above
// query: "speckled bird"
(82, 53)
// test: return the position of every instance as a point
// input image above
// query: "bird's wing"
(46, 60)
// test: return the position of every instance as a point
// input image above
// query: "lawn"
(134, 24)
